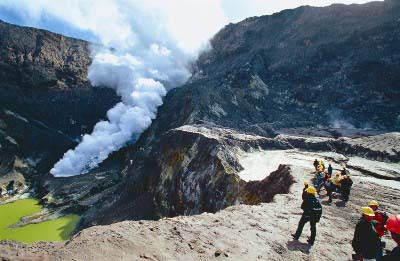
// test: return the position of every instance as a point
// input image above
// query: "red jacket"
(379, 227)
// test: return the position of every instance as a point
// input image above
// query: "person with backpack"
(346, 184)
(345, 171)
(379, 222)
(393, 226)
(312, 211)
(366, 242)
(329, 187)
(319, 180)
(379, 219)
(336, 183)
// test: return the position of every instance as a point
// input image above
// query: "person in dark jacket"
(330, 169)
(393, 225)
(345, 187)
(345, 171)
(312, 211)
(366, 242)
(316, 164)
(303, 196)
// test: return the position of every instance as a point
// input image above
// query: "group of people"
(341, 183)
(369, 230)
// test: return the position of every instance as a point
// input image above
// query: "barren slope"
(238, 232)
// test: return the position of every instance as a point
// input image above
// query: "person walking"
(346, 184)
(330, 169)
(393, 226)
(329, 187)
(366, 241)
(316, 164)
(312, 211)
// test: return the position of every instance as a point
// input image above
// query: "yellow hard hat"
(311, 190)
(305, 183)
(330, 179)
(367, 211)
(374, 203)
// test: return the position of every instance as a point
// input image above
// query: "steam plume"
(144, 59)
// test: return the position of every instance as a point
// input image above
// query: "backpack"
(316, 210)
(385, 217)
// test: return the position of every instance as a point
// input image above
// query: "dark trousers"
(329, 192)
(345, 194)
(303, 220)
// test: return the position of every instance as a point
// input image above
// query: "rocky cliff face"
(192, 169)
(46, 103)
(38, 59)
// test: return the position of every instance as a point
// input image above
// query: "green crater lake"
(58, 229)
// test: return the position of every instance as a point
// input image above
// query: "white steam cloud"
(152, 42)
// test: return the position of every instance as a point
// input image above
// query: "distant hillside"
(336, 65)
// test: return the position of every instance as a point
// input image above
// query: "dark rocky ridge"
(46, 103)
(303, 67)
(43, 76)
(37, 59)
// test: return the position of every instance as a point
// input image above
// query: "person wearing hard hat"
(379, 219)
(345, 171)
(312, 211)
(303, 196)
(346, 184)
(329, 189)
(378, 222)
(393, 226)
(366, 242)
(319, 180)
(327, 175)
(336, 182)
